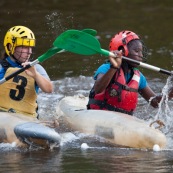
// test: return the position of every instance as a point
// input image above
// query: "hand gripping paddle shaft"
(85, 44)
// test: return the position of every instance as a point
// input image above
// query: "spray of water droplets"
(58, 23)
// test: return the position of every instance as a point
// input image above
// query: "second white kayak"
(116, 128)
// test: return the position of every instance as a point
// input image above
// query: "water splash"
(164, 111)
(58, 23)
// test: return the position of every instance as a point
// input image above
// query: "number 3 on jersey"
(18, 93)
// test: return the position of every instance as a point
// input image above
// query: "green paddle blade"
(79, 42)
(90, 31)
(56, 49)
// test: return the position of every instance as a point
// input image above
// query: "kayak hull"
(26, 131)
(116, 128)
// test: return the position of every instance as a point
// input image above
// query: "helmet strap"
(126, 51)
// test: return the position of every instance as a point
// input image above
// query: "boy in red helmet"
(118, 81)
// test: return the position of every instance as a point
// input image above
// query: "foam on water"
(8, 146)
(67, 138)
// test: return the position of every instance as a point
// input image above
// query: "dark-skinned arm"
(149, 95)
(103, 80)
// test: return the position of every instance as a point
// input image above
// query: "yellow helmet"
(18, 36)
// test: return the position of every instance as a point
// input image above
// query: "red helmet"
(122, 39)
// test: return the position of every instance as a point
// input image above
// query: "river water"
(72, 74)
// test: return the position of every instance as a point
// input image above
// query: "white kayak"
(26, 131)
(116, 128)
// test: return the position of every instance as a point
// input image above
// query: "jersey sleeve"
(102, 70)
(143, 82)
(42, 71)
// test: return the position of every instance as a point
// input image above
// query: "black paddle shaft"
(17, 72)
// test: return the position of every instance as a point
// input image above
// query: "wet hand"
(116, 61)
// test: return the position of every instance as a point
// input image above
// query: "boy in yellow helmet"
(20, 93)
